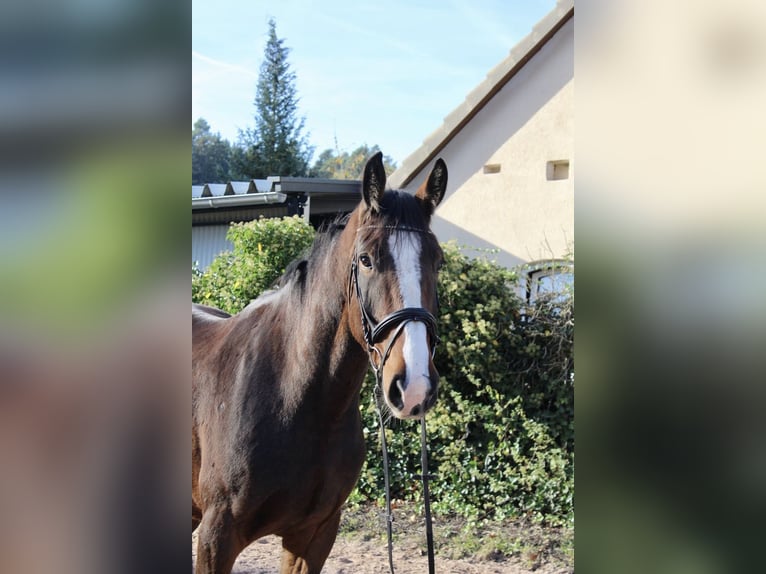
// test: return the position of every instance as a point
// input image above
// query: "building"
(509, 149)
(216, 205)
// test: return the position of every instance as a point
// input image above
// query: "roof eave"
(238, 200)
(519, 56)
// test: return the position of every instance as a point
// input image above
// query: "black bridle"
(374, 333)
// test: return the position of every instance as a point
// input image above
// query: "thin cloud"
(224, 65)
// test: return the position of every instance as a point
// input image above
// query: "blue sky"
(383, 73)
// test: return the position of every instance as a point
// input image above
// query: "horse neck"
(326, 334)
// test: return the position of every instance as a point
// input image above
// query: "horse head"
(394, 273)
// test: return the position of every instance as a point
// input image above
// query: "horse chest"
(335, 455)
(317, 474)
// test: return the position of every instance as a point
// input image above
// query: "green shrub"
(262, 250)
(501, 436)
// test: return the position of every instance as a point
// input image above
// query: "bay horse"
(277, 442)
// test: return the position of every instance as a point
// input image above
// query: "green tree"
(336, 164)
(276, 145)
(211, 155)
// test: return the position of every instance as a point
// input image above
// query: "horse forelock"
(397, 208)
(399, 213)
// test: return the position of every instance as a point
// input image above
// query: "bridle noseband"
(374, 331)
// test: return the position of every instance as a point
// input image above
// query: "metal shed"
(217, 205)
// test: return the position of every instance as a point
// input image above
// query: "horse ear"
(374, 182)
(431, 192)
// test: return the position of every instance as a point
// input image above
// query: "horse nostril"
(415, 411)
(431, 397)
(395, 390)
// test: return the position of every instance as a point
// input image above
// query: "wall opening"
(558, 169)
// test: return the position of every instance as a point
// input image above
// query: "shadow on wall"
(473, 245)
(538, 81)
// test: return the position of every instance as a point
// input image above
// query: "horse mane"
(297, 271)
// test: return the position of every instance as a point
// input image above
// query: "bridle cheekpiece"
(374, 332)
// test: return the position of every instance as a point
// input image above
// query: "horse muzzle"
(409, 379)
(411, 400)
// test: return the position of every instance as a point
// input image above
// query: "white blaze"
(405, 251)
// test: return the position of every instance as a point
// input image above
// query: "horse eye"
(365, 260)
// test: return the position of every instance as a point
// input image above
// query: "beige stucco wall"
(529, 123)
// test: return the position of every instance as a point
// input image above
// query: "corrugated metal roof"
(325, 196)
(233, 188)
(214, 190)
(260, 186)
(310, 186)
(237, 187)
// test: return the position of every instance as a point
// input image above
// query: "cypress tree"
(276, 146)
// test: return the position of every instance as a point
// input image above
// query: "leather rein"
(374, 333)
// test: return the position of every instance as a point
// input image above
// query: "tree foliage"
(211, 155)
(501, 436)
(335, 164)
(262, 250)
(276, 144)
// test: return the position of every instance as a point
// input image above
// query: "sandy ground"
(355, 555)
